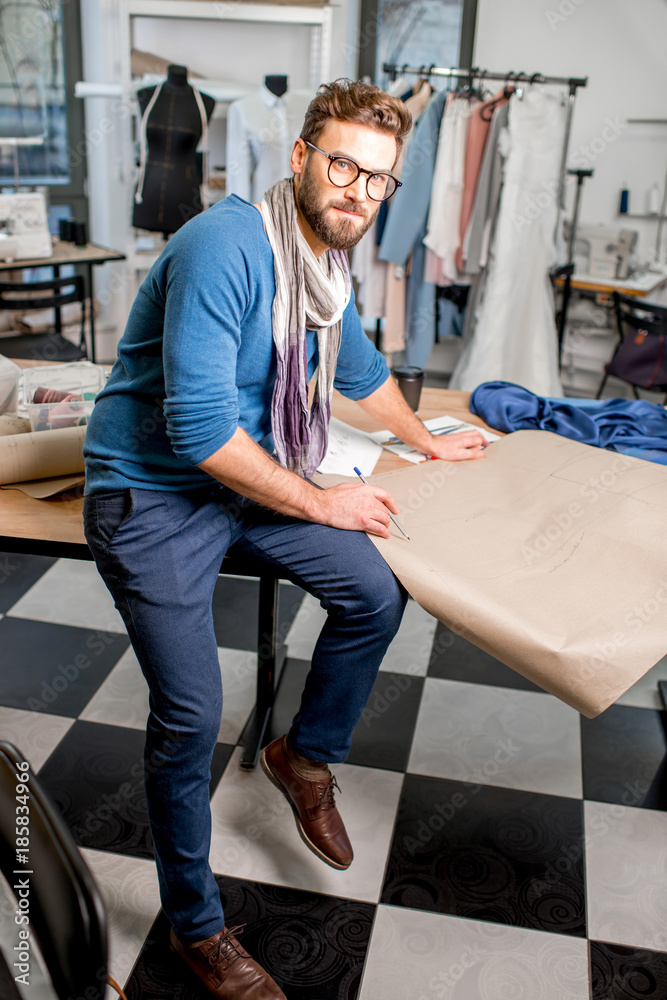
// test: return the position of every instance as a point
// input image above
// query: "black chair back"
(19, 296)
(66, 911)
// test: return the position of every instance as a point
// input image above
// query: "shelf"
(640, 215)
(232, 10)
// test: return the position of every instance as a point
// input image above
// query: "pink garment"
(477, 136)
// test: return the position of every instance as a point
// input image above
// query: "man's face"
(339, 216)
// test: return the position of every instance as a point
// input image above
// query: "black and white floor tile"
(505, 848)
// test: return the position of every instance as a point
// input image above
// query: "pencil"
(394, 519)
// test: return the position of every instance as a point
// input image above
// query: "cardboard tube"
(41, 455)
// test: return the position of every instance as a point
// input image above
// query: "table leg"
(58, 320)
(270, 656)
(91, 313)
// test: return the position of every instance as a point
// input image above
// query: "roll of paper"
(10, 424)
(41, 455)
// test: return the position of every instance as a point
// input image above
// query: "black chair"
(66, 911)
(640, 357)
(557, 274)
(52, 346)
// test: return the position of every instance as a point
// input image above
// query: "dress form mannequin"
(276, 84)
(168, 192)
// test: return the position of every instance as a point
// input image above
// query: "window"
(414, 33)
(33, 103)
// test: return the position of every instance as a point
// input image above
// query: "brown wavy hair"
(362, 103)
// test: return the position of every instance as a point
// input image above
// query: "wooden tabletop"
(59, 519)
(66, 253)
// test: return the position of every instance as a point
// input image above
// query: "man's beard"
(342, 235)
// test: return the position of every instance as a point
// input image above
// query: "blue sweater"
(197, 358)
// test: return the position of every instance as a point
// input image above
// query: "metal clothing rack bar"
(483, 74)
(510, 77)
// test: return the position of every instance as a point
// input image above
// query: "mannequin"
(261, 129)
(174, 117)
(276, 84)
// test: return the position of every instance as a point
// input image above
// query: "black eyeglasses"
(343, 171)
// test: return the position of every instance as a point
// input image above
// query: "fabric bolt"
(306, 297)
(185, 377)
(159, 554)
(514, 337)
(627, 426)
(444, 217)
(406, 228)
(261, 131)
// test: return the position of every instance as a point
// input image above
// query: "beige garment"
(549, 554)
(443, 236)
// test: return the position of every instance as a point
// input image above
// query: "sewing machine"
(607, 250)
(24, 231)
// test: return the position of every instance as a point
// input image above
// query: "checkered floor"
(506, 849)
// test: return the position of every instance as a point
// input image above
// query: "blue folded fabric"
(634, 427)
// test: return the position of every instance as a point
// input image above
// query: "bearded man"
(245, 304)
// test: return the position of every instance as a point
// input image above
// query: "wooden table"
(64, 254)
(54, 527)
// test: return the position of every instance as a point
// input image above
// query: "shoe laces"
(225, 949)
(326, 800)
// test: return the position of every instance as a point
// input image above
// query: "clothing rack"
(572, 82)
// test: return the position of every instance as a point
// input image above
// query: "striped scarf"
(306, 297)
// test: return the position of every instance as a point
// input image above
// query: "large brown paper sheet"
(549, 554)
(42, 489)
(41, 455)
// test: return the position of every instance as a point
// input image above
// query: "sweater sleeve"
(207, 291)
(360, 368)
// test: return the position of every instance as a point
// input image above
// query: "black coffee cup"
(410, 381)
(65, 230)
(79, 235)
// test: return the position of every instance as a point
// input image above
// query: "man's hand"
(357, 508)
(388, 406)
(458, 447)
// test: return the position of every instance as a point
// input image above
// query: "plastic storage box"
(79, 382)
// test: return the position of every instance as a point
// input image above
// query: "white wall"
(620, 46)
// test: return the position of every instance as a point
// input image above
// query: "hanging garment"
(261, 131)
(443, 234)
(370, 275)
(481, 223)
(406, 228)
(634, 427)
(514, 336)
(381, 286)
(480, 125)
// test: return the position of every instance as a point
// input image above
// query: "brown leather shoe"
(226, 969)
(318, 821)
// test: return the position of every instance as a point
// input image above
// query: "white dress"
(514, 336)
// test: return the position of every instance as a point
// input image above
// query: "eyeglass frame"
(360, 170)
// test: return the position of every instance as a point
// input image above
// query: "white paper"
(349, 447)
(436, 425)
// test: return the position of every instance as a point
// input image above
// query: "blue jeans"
(159, 554)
